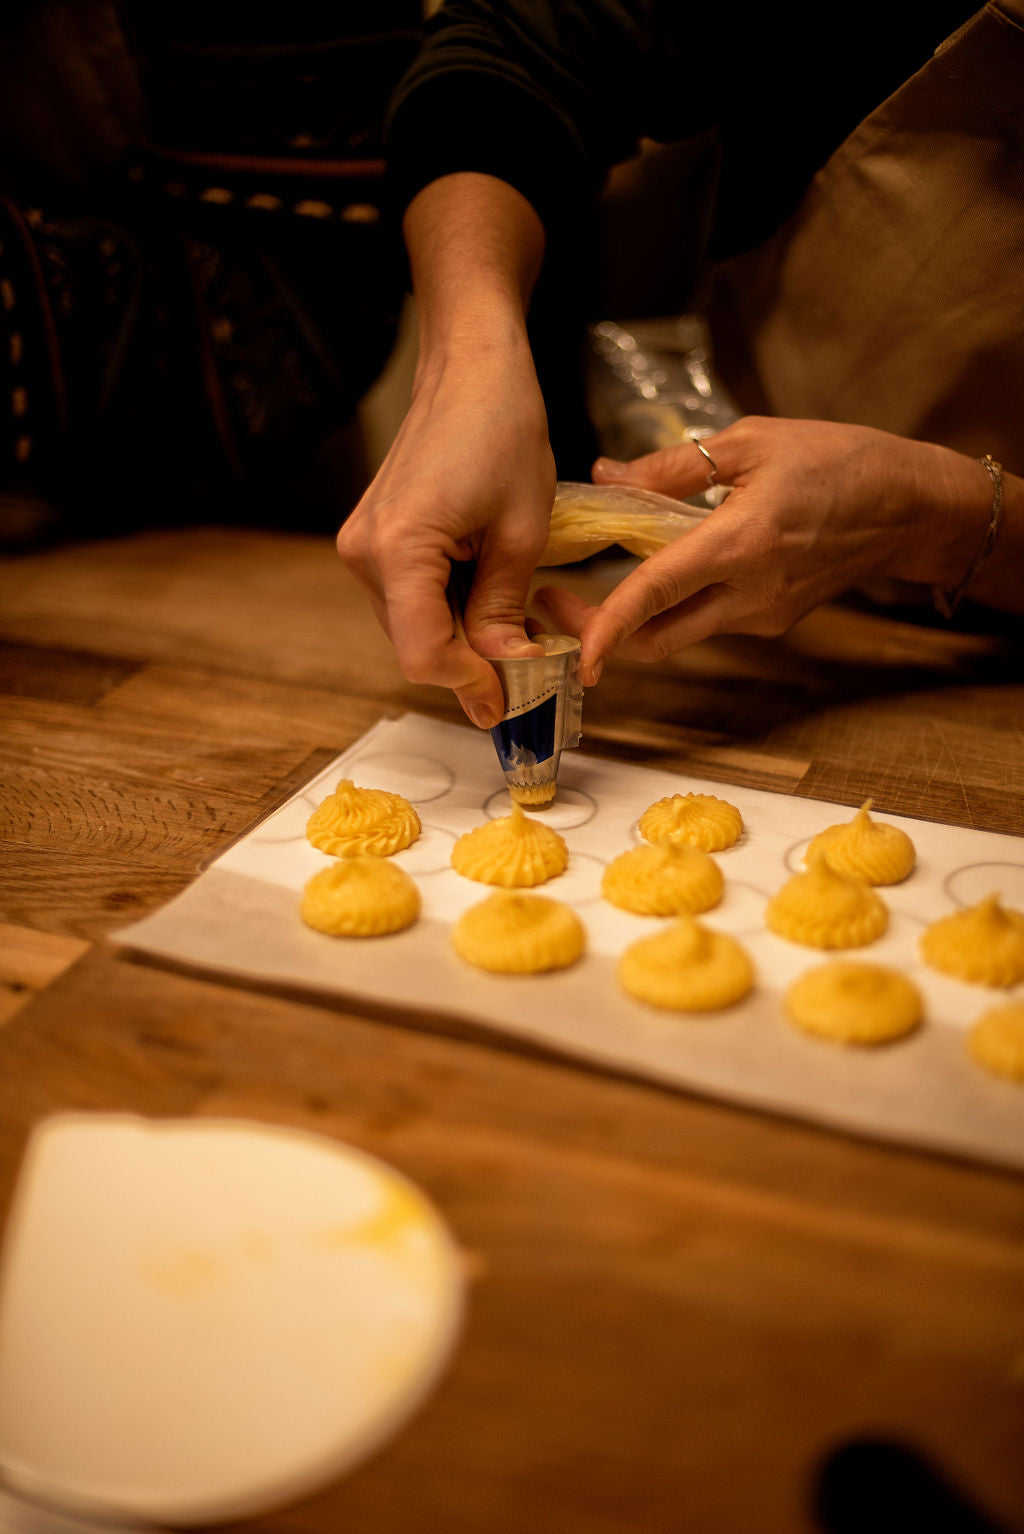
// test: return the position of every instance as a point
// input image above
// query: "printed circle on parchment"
(580, 884)
(573, 807)
(430, 853)
(420, 779)
(741, 908)
(794, 856)
(288, 824)
(972, 883)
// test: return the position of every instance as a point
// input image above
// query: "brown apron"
(894, 295)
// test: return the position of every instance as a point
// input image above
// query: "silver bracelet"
(947, 602)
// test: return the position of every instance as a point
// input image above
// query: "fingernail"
(610, 468)
(481, 715)
(590, 674)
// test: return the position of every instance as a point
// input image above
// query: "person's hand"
(816, 507)
(470, 476)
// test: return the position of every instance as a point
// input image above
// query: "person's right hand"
(470, 476)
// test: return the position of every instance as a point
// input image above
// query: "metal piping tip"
(543, 716)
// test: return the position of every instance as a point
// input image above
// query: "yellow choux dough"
(363, 820)
(696, 820)
(866, 848)
(511, 933)
(534, 793)
(513, 851)
(687, 968)
(996, 1040)
(984, 943)
(360, 896)
(663, 880)
(854, 1003)
(588, 518)
(825, 909)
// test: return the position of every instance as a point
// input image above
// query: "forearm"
(469, 476)
(475, 249)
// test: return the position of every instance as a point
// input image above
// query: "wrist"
(954, 503)
(489, 359)
(946, 600)
(475, 322)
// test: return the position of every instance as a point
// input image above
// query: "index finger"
(699, 559)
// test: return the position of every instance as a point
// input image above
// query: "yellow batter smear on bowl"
(663, 880)
(513, 851)
(996, 1040)
(983, 944)
(826, 909)
(697, 820)
(869, 849)
(687, 968)
(854, 1003)
(368, 820)
(360, 895)
(511, 933)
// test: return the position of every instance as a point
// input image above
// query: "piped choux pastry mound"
(696, 820)
(367, 820)
(360, 896)
(983, 944)
(663, 880)
(825, 909)
(854, 1003)
(996, 1040)
(514, 852)
(868, 849)
(687, 968)
(511, 933)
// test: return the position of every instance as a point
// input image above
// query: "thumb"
(494, 607)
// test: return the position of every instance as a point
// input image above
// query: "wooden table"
(683, 1316)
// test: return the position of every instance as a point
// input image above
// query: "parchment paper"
(240, 918)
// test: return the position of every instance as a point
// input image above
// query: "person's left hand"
(816, 507)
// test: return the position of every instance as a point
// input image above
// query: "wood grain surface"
(682, 1316)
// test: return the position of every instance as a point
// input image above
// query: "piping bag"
(543, 705)
(544, 695)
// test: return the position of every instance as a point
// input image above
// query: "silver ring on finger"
(713, 476)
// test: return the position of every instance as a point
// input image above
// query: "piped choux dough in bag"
(588, 518)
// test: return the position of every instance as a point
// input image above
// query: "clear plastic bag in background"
(650, 383)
